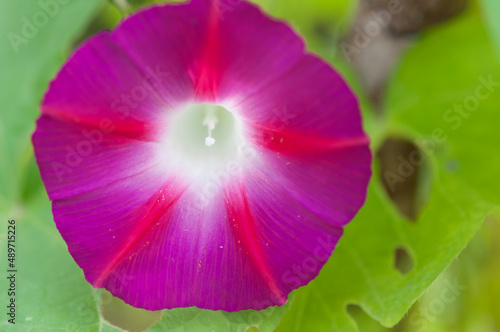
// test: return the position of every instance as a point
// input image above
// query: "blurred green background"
(422, 255)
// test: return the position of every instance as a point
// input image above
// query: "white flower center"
(203, 139)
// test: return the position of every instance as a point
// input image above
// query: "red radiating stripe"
(146, 216)
(132, 128)
(243, 227)
(208, 81)
(297, 144)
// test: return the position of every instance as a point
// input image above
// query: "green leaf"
(306, 13)
(442, 69)
(36, 39)
(491, 10)
(454, 68)
(51, 292)
(129, 7)
(193, 319)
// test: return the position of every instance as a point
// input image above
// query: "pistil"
(210, 121)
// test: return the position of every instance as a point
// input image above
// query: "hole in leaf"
(253, 329)
(124, 316)
(402, 260)
(405, 174)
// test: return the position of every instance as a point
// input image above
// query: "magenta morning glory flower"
(199, 156)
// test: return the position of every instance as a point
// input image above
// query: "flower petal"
(204, 40)
(328, 185)
(127, 95)
(253, 49)
(139, 232)
(307, 129)
(108, 227)
(171, 37)
(310, 106)
(76, 158)
(134, 235)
